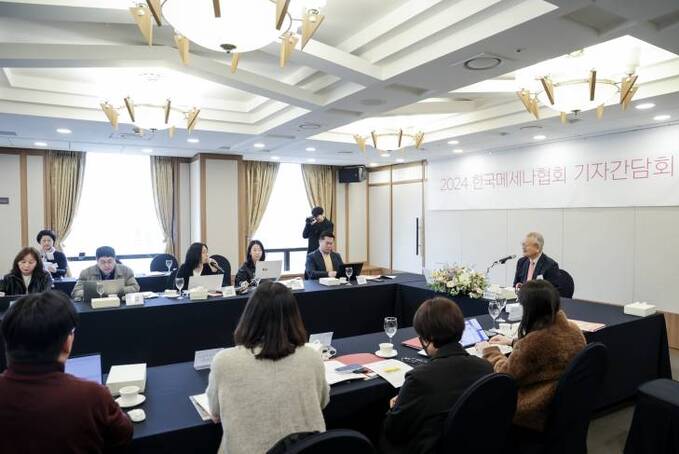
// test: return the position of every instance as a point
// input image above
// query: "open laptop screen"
(85, 367)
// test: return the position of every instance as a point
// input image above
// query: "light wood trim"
(672, 324)
(203, 202)
(176, 196)
(367, 222)
(391, 219)
(221, 157)
(346, 218)
(14, 151)
(372, 185)
(23, 185)
(243, 210)
(47, 200)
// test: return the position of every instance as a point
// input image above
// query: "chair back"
(493, 396)
(566, 284)
(158, 262)
(338, 441)
(224, 265)
(569, 413)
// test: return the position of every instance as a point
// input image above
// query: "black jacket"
(12, 284)
(546, 266)
(415, 424)
(246, 273)
(315, 265)
(61, 262)
(313, 232)
(186, 273)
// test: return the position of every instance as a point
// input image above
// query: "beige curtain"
(163, 171)
(320, 183)
(65, 173)
(259, 180)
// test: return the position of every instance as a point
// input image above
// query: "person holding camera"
(316, 224)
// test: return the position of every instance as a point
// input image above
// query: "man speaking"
(535, 264)
(316, 224)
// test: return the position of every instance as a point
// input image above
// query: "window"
(116, 209)
(283, 221)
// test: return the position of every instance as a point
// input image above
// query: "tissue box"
(126, 375)
(198, 293)
(515, 312)
(639, 309)
(134, 299)
(108, 301)
(508, 293)
(329, 281)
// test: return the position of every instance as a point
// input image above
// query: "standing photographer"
(316, 224)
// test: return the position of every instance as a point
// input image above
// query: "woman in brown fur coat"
(547, 343)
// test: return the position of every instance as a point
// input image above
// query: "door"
(407, 225)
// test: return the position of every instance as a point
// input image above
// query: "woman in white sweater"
(270, 384)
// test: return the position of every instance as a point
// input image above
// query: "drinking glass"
(503, 303)
(390, 326)
(179, 283)
(494, 310)
(168, 264)
(100, 289)
(350, 272)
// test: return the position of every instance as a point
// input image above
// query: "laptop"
(357, 267)
(211, 282)
(112, 287)
(473, 333)
(7, 300)
(87, 367)
(269, 270)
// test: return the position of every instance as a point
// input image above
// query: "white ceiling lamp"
(539, 137)
(458, 151)
(645, 106)
(310, 149)
(389, 140)
(453, 142)
(232, 26)
(259, 145)
(580, 81)
(662, 117)
(275, 158)
(152, 117)
(40, 144)
(399, 160)
(64, 131)
(193, 140)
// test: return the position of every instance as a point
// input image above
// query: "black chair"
(566, 284)
(493, 396)
(158, 262)
(569, 413)
(338, 441)
(225, 266)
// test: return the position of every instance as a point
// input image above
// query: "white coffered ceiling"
(398, 62)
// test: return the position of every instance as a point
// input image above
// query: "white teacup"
(343, 280)
(386, 349)
(128, 395)
(170, 292)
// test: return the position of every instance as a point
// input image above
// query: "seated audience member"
(547, 343)
(55, 261)
(246, 273)
(43, 409)
(415, 421)
(27, 275)
(323, 262)
(535, 264)
(197, 263)
(270, 384)
(106, 269)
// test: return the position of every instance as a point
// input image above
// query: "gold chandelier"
(388, 140)
(152, 117)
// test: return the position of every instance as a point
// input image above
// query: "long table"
(147, 283)
(637, 349)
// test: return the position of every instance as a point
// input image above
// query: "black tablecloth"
(154, 283)
(637, 353)
(655, 426)
(412, 294)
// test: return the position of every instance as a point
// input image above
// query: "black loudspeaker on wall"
(354, 174)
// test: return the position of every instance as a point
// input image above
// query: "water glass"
(168, 264)
(350, 272)
(179, 283)
(390, 327)
(494, 310)
(100, 289)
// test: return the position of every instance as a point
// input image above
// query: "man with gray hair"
(535, 264)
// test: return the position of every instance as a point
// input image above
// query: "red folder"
(358, 358)
(413, 343)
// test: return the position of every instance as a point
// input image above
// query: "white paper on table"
(149, 295)
(202, 406)
(390, 276)
(392, 370)
(504, 349)
(333, 377)
(371, 277)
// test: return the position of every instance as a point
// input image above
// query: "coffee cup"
(129, 395)
(386, 349)
(170, 292)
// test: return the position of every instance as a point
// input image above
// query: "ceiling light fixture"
(248, 25)
(483, 63)
(388, 140)
(386, 155)
(310, 149)
(539, 137)
(40, 144)
(372, 164)
(645, 106)
(152, 117)
(275, 158)
(147, 150)
(453, 142)
(400, 160)
(64, 131)
(259, 145)
(662, 117)
(458, 150)
(192, 140)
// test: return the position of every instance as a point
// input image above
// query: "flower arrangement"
(459, 280)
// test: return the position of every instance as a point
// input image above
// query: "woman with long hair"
(197, 263)
(27, 275)
(256, 253)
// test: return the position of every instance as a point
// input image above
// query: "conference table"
(637, 350)
(156, 282)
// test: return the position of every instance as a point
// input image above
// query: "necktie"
(531, 270)
(328, 263)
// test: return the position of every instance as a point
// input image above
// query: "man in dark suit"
(315, 225)
(414, 424)
(323, 262)
(535, 264)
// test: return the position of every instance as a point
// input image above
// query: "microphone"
(504, 259)
(214, 263)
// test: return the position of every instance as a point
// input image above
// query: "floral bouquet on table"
(459, 280)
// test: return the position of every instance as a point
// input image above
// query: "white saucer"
(395, 353)
(171, 296)
(140, 399)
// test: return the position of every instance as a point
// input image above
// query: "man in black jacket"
(535, 264)
(323, 262)
(316, 224)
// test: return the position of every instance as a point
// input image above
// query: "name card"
(229, 291)
(134, 299)
(361, 280)
(296, 284)
(203, 358)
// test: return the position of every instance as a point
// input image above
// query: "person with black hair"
(316, 224)
(414, 423)
(27, 275)
(43, 409)
(323, 262)
(547, 343)
(107, 268)
(197, 263)
(246, 273)
(270, 384)
(55, 261)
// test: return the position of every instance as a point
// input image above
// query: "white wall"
(357, 222)
(10, 215)
(380, 227)
(340, 219)
(221, 209)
